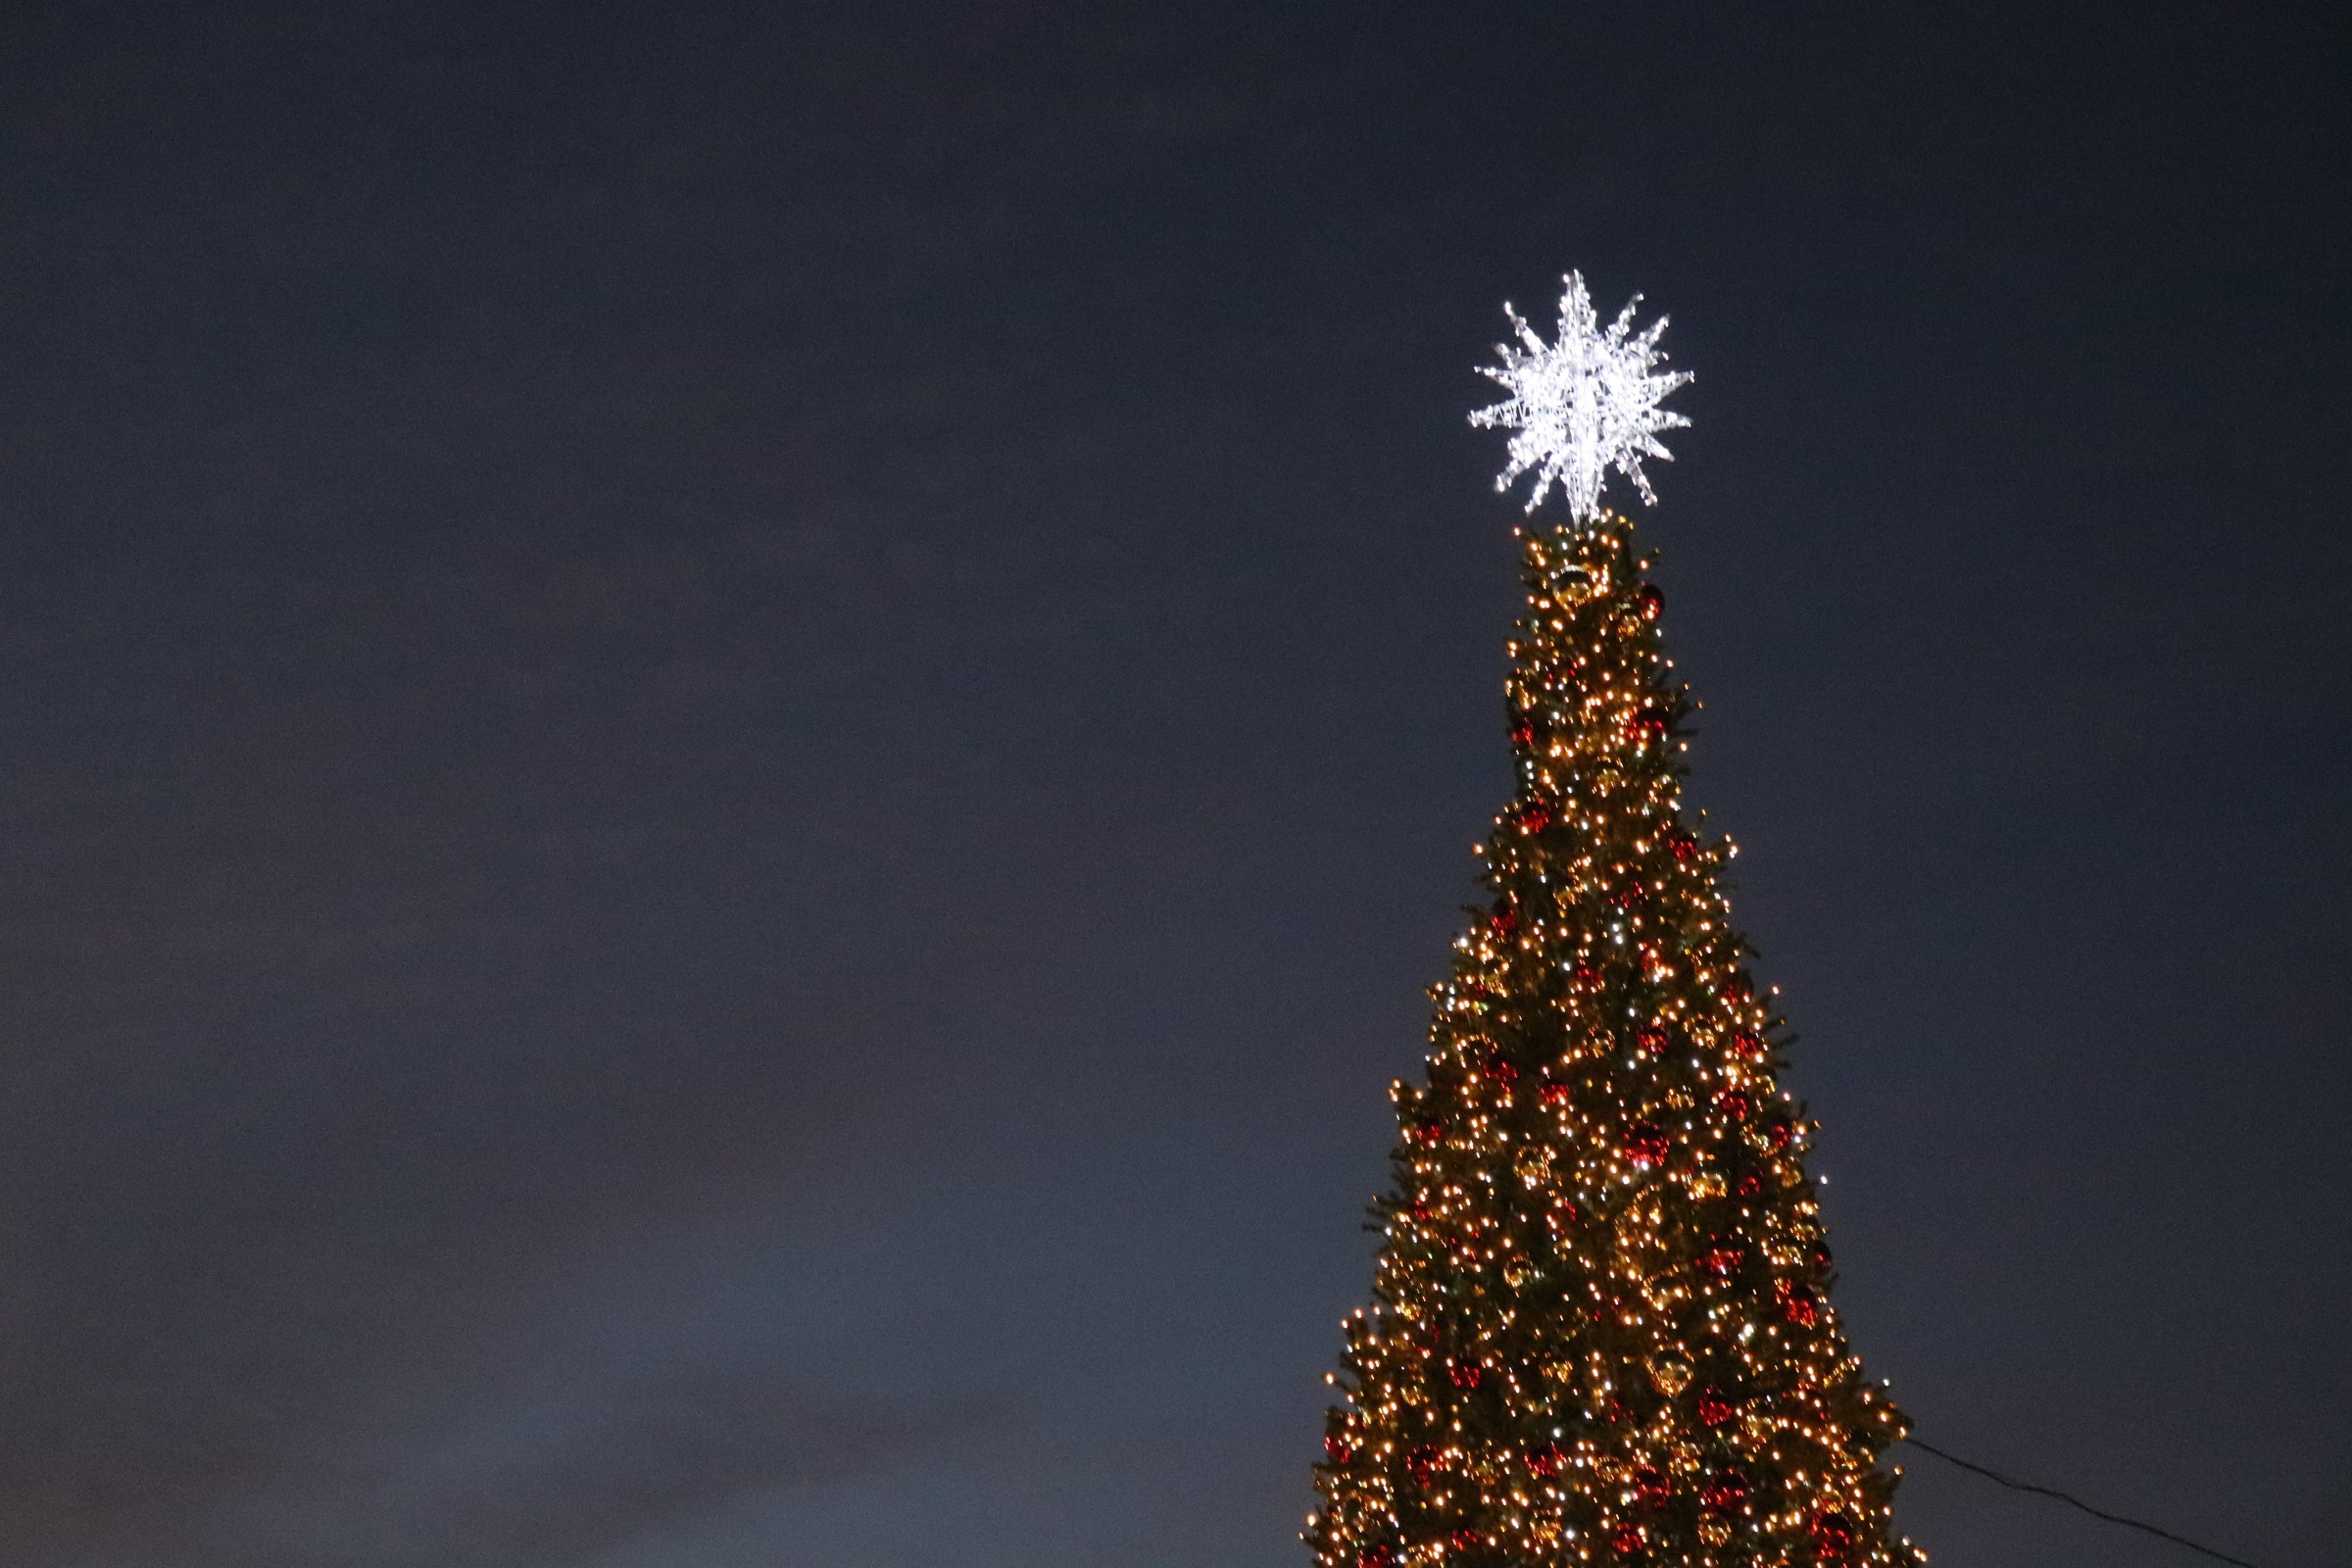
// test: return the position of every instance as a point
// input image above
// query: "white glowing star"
(1584, 404)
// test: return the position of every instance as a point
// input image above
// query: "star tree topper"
(1584, 404)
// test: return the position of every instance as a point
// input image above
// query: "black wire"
(2097, 1513)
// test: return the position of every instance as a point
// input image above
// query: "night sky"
(733, 738)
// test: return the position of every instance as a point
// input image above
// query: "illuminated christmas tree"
(1602, 1332)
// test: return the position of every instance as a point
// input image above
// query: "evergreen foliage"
(1601, 1331)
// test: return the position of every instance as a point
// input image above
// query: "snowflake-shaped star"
(1584, 404)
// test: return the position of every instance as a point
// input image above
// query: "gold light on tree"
(1601, 1331)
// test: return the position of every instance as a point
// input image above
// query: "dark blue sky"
(732, 739)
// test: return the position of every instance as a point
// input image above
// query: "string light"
(1601, 1331)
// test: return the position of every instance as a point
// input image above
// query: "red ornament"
(1798, 1305)
(1505, 920)
(1465, 1374)
(1651, 1488)
(1428, 1134)
(1733, 1105)
(1649, 729)
(1501, 1071)
(1625, 1539)
(1377, 1557)
(1747, 1187)
(1586, 976)
(1748, 1045)
(1557, 1094)
(1547, 1461)
(1338, 1450)
(1683, 845)
(1534, 817)
(1834, 1535)
(1778, 1132)
(1629, 897)
(1468, 1540)
(1713, 1408)
(1653, 1038)
(1424, 1463)
(1647, 1145)
(1722, 1261)
(1650, 600)
(1725, 1492)
(1522, 734)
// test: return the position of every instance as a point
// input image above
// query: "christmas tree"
(1602, 1330)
